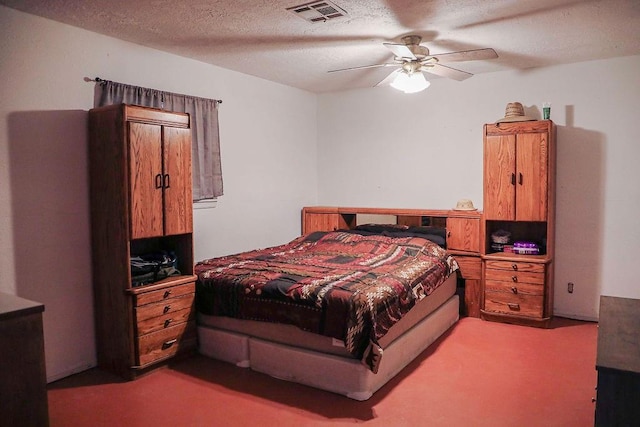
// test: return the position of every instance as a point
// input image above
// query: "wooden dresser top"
(619, 334)
(13, 306)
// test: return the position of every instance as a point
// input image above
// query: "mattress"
(296, 337)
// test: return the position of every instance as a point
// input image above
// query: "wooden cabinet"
(514, 288)
(141, 203)
(519, 199)
(618, 362)
(326, 221)
(463, 233)
(516, 171)
(463, 240)
(165, 321)
(23, 384)
(160, 180)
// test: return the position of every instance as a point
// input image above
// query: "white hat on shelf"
(464, 205)
(514, 113)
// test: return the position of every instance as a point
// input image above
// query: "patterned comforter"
(345, 285)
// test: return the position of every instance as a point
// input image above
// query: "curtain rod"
(99, 80)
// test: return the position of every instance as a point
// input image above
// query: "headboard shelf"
(329, 218)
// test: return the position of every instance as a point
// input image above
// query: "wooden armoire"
(141, 203)
(519, 199)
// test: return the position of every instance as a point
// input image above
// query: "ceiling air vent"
(318, 11)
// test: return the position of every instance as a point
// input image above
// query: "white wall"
(268, 144)
(379, 147)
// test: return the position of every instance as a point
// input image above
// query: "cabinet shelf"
(528, 231)
(181, 245)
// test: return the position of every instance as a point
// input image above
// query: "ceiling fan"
(411, 59)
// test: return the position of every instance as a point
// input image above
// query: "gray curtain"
(207, 168)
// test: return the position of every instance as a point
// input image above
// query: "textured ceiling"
(263, 39)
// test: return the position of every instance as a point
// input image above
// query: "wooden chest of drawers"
(618, 362)
(515, 288)
(165, 323)
(23, 377)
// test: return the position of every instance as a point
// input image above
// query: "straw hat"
(514, 113)
(464, 205)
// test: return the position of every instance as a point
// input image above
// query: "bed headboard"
(330, 218)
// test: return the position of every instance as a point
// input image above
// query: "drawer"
(164, 294)
(530, 267)
(523, 299)
(162, 322)
(163, 308)
(470, 267)
(514, 276)
(166, 342)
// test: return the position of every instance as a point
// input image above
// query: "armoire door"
(145, 185)
(499, 177)
(177, 181)
(532, 177)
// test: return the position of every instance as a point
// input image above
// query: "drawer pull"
(514, 278)
(513, 306)
(514, 290)
(167, 344)
(167, 323)
(515, 267)
(166, 294)
(166, 309)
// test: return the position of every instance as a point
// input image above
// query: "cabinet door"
(145, 186)
(532, 176)
(499, 177)
(177, 179)
(463, 234)
(321, 222)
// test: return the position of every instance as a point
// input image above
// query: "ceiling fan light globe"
(410, 83)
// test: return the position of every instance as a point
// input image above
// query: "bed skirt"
(343, 375)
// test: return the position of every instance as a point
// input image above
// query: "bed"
(343, 311)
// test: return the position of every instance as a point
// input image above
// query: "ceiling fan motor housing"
(413, 44)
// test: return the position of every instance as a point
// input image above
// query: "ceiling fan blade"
(444, 71)
(400, 50)
(387, 80)
(467, 55)
(389, 64)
